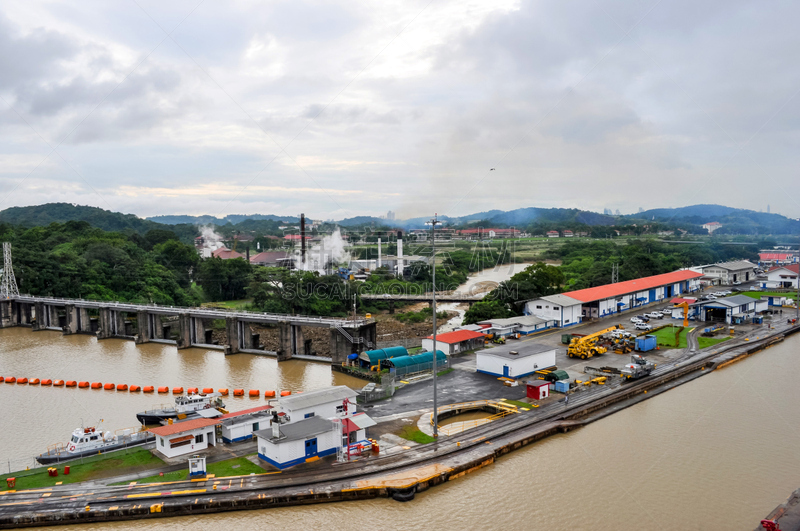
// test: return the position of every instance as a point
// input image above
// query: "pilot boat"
(92, 441)
(185, 407)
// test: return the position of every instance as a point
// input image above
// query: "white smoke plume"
(331, 250)
(211, 241)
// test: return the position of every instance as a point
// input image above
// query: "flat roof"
(457, 337)
(631, 286)
(560, 299)
(523, 350)
(522, 320)
(315, 398)
(730, 302)
(182, 427)
(735, 265)
(298, 430)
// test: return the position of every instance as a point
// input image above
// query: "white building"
(732, 310)
(240, 425)
(516, 360)
(522, 324)
(185, 437)
(730, 272)
(454, 342)
(325, 403)
(562, 309)
(712, 226)
(782, 277)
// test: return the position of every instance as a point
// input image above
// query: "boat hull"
(50, 458)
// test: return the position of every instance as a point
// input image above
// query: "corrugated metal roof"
(730, 302)
(794, 268)
(245, 411)
(631, 286)
(181, 427)
(522, 320)
(419, 359)
(735, 265)
(523, 350)
(457, 337)
(560, 299)
(298, 430)
(315, 398)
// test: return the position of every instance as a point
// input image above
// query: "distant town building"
(777, 258)
(552, 234)
(568, 234)
(481, 233)
(226, 254)
(730, 272)
(712, 226)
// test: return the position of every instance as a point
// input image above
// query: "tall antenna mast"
(8, 283)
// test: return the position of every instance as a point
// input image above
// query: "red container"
(66, 470)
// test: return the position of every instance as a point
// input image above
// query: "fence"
(407, 342)
(386, 389)
(420, 367)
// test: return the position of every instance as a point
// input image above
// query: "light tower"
(8, 283)
(433, 222)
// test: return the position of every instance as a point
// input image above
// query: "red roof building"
(631, 286)
(233, 414)
(181, 427)
(453, 342)
(294, 237)
(777, 258)
(226, 254)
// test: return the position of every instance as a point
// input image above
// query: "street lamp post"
(433, 222)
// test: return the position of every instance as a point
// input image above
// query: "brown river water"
(716, 453)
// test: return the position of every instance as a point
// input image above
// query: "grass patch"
(704, 342)
(517, 403)
(446, 371)
(97, 467)
(759, 294)
(666, 337)
(220, 469)
(412, 433)
(230, 305)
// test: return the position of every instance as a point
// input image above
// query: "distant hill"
(733, 220)
(43, 215)
(232, 219)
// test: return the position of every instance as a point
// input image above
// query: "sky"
(340, 109)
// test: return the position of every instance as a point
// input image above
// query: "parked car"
(642, 326)
(711, 298)
(666, 311)
(755, 288)
(619, 334)
(635, 319)
(737, 283)
(655, 315)
(644, 318)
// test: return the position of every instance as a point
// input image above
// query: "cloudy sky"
(339, 109)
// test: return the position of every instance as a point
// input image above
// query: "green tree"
(484, 310)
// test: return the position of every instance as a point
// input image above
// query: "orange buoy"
(58, 383)
(269, 394)
(285, 393)
(2, 379)
(238, 392)
(122, 387)
(71, 383)
(223, 391)
(135, 388)
(34, 381)
(83, 385)
(22, 381)
(177, 390)
(11, 379)
(163, 390)
(255, 393)
(97, 385)
(193, 390)
(109, 387)
(147, 389)
(47, 381)
(207, 390)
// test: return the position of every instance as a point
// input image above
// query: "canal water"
(716, 453)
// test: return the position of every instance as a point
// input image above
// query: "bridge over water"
(182, 326)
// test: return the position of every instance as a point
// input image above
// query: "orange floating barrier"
(207, 390)
(47, 381)
(223, 391)
(238, 392)
(285, 393)
(122, 387)
(22, 381)
(71, 383)
(11, 379)
(135, 388)
(177, 390)
(83, 385)
(147, 389)
(2, 379)
(192, 390)
(269, 394)
(97, 385)
(58, 383)
(255, 393)
(109, 387)
(34, 381)
(163, 390)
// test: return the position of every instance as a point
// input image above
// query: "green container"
(566, 338)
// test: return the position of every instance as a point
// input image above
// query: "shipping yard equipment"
(638, 367)
(587, 346)
(646, 343)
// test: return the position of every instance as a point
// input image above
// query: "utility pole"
(8, 284)
(433, 222)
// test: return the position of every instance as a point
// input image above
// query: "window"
(198, 438)
(340, 409)
(161, 441)
(548, 307)
(539, 307)
(566, 321)
(555, 307)
(309, 415)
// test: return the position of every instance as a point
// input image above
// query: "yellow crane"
(685, 306)
(586, 346)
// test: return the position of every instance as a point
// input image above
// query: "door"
(505, 371)
(652, 295)
(311, 447)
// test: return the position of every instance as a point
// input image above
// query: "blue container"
(646, 343)
(562, 386)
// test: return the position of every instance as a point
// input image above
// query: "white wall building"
(730, 272)
(516, 360)
(240, 425)
(564, 310)
(285, 445)
(185, 437)
(325, 403)
(782, 277)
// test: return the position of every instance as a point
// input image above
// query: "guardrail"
(194, 311)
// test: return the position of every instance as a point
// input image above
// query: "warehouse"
(325, 403)
(732, 310)
(285, 445)
(185, 437)
(730, 272)
(455, 342)
(403, 365)
(523, 325)
(562, 309)
(516, 360)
